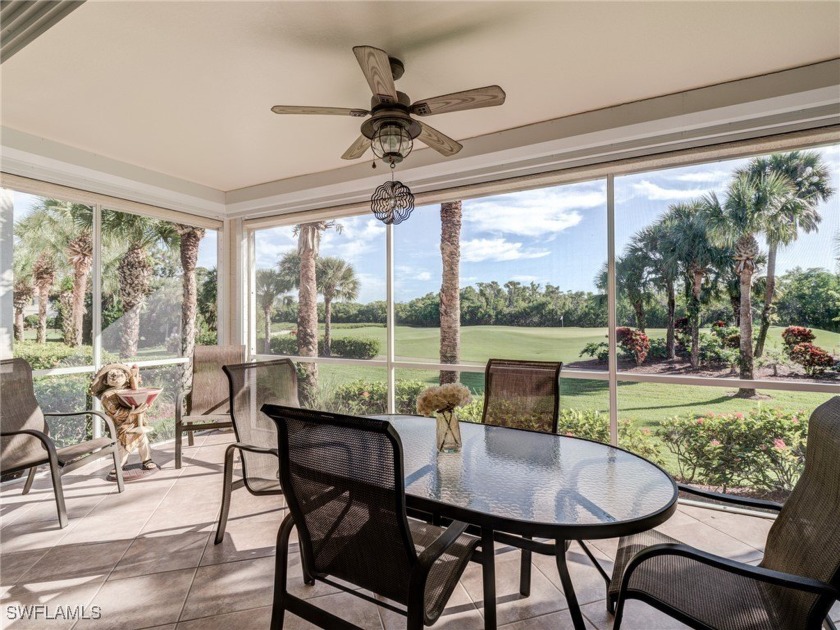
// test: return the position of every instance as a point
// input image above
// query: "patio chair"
(205, 405)
(793, 586)
(25, 441)
(344, 485)
(522, 394)
(251, 385)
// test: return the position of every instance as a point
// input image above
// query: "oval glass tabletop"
(533, 483)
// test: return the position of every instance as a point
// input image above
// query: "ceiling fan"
(391, 130)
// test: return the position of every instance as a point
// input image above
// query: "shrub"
(634, 342)
(597, 349)
(45, 356)
(594, 425)
(794, 335)
(714, 349)
(814, 359)
(354, 348)
(773, 359)
(730, 336)
(658, 349)
(764, 449)
(369, 397)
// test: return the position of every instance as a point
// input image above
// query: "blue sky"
(553, 235)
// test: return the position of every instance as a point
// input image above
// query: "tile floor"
(146, 558)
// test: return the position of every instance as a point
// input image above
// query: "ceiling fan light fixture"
(391, 142)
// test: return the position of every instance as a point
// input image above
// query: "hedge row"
(343, 347)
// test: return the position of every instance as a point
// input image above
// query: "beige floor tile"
(707, 538)
(223, 588)
(14, 565)
(141, 602)
(749, 530)
(588, 583)
(245, 537)
(253, 619)
(637, 616)
(344, 605)
(89, 561)
(554, 621)
(25, 535)
(156, 554)
(510, 605)
(55, 595)
(460, 614)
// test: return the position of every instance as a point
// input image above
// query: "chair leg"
(55, 473)
(281, 568)
(118, 469)
(619, 612)
(190, 438)
(179, 433)
(227, 484)
(29, 479)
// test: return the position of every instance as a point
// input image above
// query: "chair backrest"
(20, 411)
(342, 477)
(805, 538)
(251, 385)
(522, 394)
(209, 385)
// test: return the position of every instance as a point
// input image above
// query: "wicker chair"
(206, 403)
(24, 435)
(251, 386)
(795, 584)
(343, 479)
(522, 394)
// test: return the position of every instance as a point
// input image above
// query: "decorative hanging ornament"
(392, 202)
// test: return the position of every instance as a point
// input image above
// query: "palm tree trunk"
(43, 300)
(134, 273)
(746, 346)
(267, 330)
(190, 241)
(639, 309)
(68, 329)
(450, 297)
(327, 320)
(769, 291)
(308, 307)
(670, 340)
(22, 296)
(694, 315)
(18, 323)
(77, 304)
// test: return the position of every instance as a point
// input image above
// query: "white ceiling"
(185, 88)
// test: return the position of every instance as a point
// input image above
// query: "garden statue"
(114, 385)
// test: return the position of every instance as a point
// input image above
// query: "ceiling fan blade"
(331, 111)
(377, 69)
(441, 143)
(489, 96)
(357, 149)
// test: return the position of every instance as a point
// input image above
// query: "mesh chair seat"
(522, 394)
(71, 453)
(208, 419)
(446, 571)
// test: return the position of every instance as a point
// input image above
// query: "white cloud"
(654, 192)
(525, 279)
(701, 177)
(535, 213)
(497, 250)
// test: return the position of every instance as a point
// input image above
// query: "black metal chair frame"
(56, 469)
(285, 601)
(762, 574)
(557, 365)
(228, 485)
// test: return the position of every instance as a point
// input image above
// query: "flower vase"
(448, 432)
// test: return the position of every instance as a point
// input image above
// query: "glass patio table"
(518, 485)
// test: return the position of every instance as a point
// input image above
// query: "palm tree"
(631, 278)
(270, 285)
(810, 179)
(450, 293)
(65, 230)
(189, 242)
(697, 256)
(736, 222)
(336, 280)
(309, 241)
(655, 247)
(134, 270)
(43, 272)
(23, 289)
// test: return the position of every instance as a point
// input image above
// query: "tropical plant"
(271, 284)
(735, 223)
(450, 294)
(23, 290)
(43, 273)
(336, 280)
(810, 179)
(189, 239)
(134, 270)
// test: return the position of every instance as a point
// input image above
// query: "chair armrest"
(434, 551)
(112, 431)
(778, 578)
(729, 498)
(180, 399)
(255, 449)
(40, 435)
